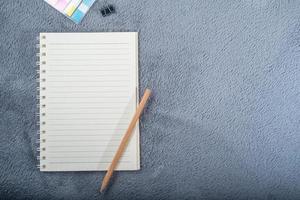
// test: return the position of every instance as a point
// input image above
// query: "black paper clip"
(107, 10)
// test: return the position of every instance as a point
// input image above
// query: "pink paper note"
(61, 4)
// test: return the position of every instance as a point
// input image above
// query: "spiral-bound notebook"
(88, 95)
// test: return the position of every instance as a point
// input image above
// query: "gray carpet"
(224, 119)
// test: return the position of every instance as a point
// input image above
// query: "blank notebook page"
(88, 95)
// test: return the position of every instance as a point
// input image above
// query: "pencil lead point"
(102, 189)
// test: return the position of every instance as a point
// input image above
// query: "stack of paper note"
(73, 9)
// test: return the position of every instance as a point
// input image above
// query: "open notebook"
(88, 95)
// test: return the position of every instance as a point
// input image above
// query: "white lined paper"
(88, 100)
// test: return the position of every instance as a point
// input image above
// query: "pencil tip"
(102, 189)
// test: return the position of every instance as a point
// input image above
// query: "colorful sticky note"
(88, 3)
(77, 16)
(82, 10)
(61, 4)
(73, 9)
(70, 9)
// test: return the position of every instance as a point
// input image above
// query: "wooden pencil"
(125, 140)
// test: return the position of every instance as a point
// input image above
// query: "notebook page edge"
(137, 97)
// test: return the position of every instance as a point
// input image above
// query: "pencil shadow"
(111, 147)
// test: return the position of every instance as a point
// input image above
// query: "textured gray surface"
(224, 120)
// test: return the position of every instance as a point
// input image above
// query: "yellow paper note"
(71, 10)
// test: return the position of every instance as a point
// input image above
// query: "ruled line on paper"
(92, 107)
(90, 129)
(84, 113)
(87, 65)
(101, 82)
(91, 135)
(83, 140)
(65, 162)
(79, 95)
(83, 120)
(90, 159)
(80, 146)
(73, 106)
(78, 129)
(85, 49)
(85, 81)
(84, 86)
(109, 72)
(70, 151)
(79, 103)
(85, 123)
(88, 80)
(94, 64)
(80, 76)
(97, 123)
(87, 156)
(94, 123)
(91, 143)
(90, 97)
(90, 59)
(85, 54)
(88, 70)
(93, 43)
(87, 118)
(92, 67)
(78, 108)
(73, 67)
(107, 160)
(86, 132)
(123, 161)
(83, 92)
(106, 62)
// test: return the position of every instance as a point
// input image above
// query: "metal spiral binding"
(40, 105)
(39, 166)
(41, 158)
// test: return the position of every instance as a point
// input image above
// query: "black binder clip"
(107, 10)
